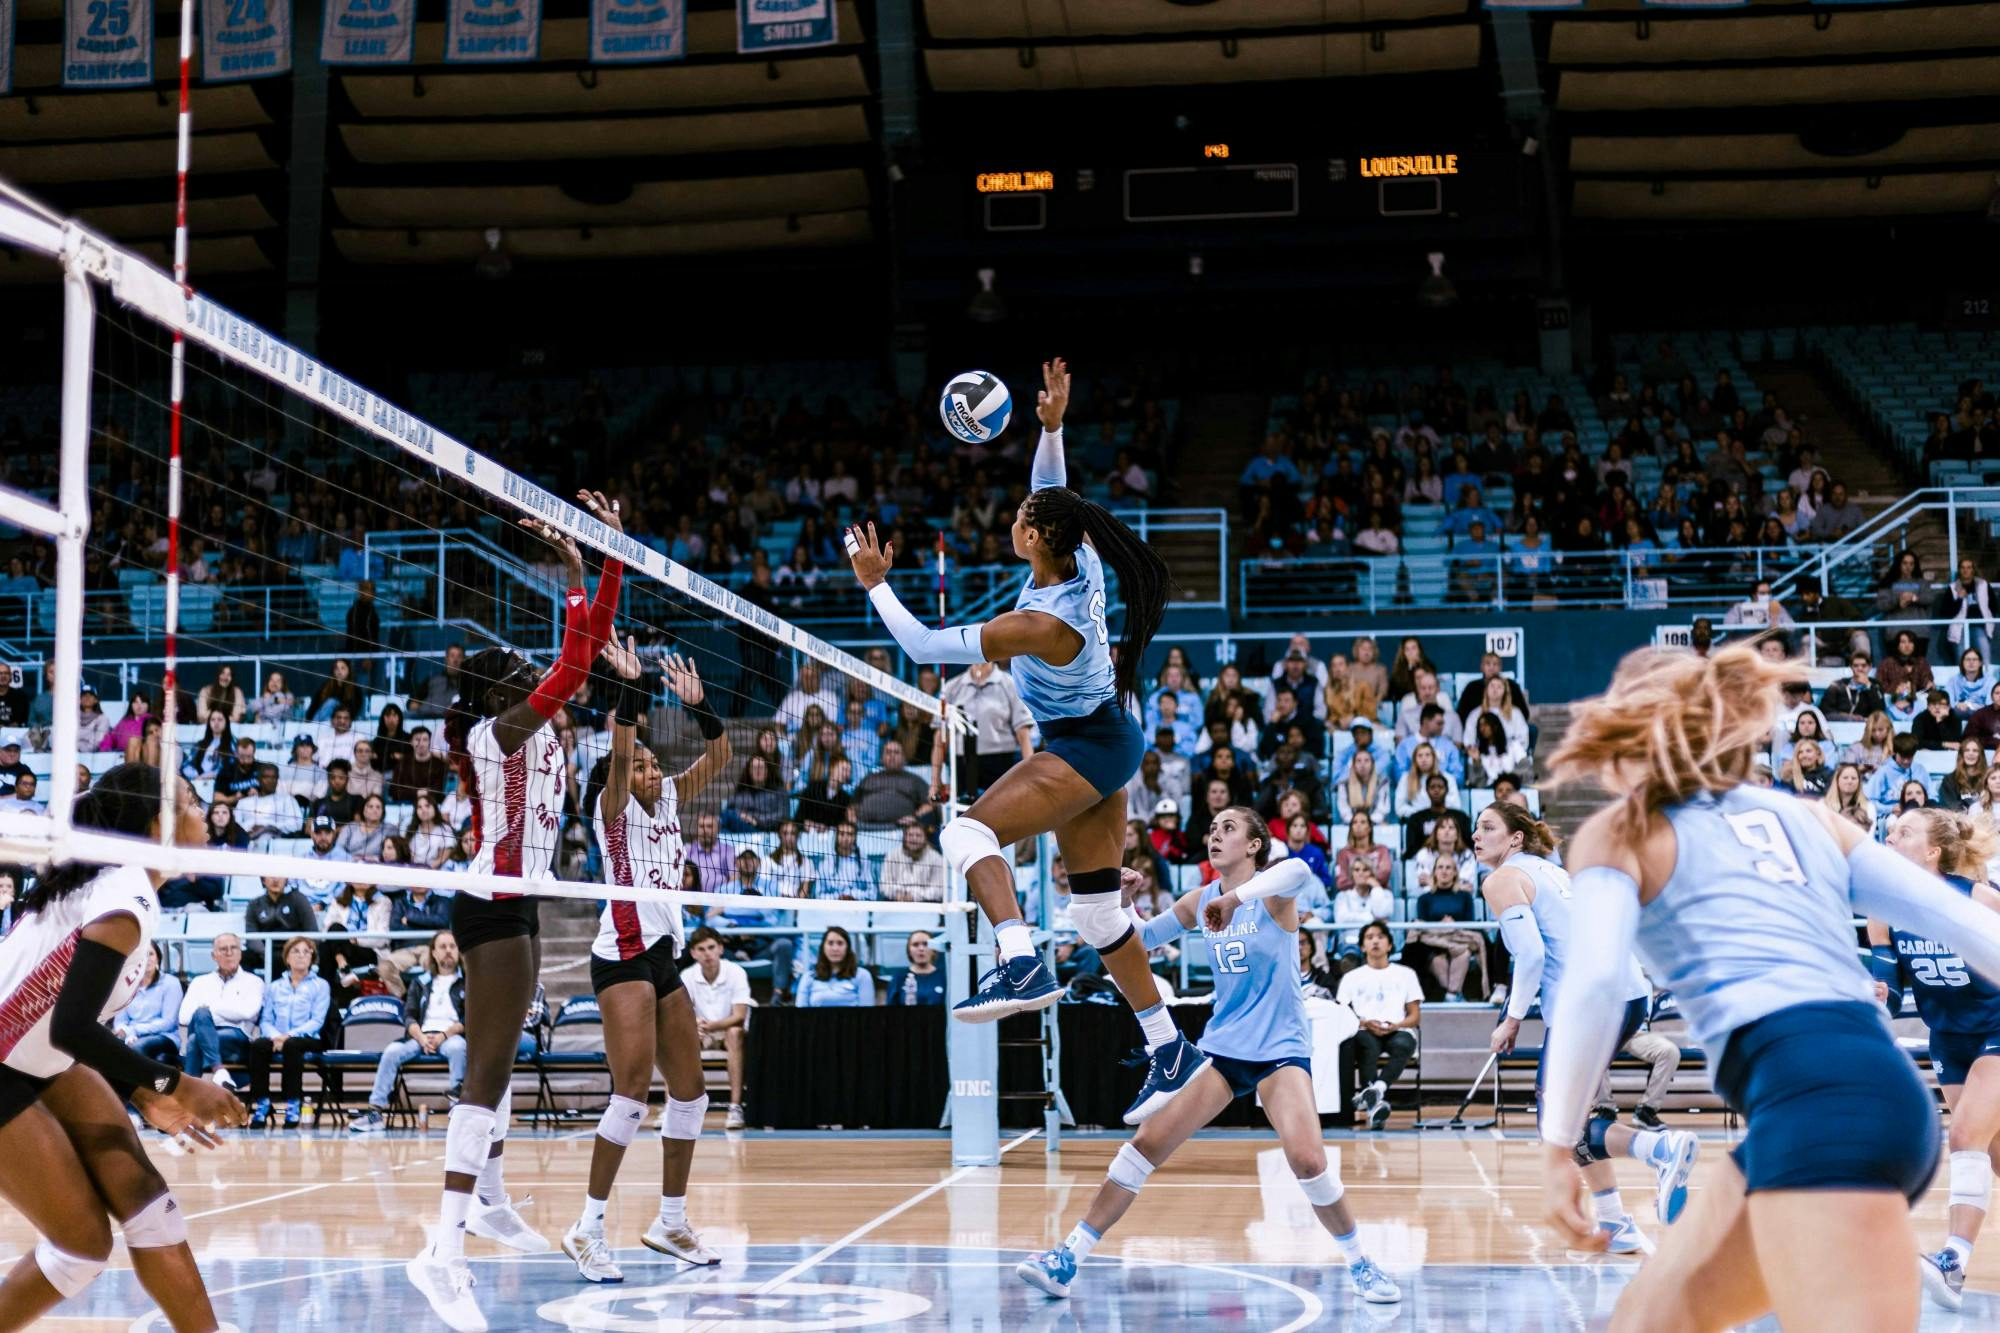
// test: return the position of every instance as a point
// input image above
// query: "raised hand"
(870, 558)
(603, 510)
(682, 678)
(571, 557)
(1216, 914)
(625, 661)
(1053, 400)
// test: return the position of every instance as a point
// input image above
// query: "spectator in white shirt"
(720, 991)
(340, 745)
(303, 778)
(22, 800)
(1409, 713)
(809, 690)
(268, 813)
(913, 872)
(1361, 900)
(220, 1012)
(363, 778)
(1759, 610)
(1387, 998)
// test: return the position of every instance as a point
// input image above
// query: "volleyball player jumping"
(511, 763)
(1075, 786)
(634, 965)
(1257, 1041)
(1530, 895)
(1740, 901)
(1962, 1011)
(69, 1159)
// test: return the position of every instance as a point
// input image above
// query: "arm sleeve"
(1287, 879)
(75, 1031)
(581, 642)
(1161, 930)
(1583, 1033)
(1524, 940)
(1049, 468)
(959, 644)
(1888, 888)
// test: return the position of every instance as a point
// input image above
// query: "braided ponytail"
(126, 800)
(1065, 519)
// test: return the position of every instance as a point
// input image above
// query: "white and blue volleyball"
(975, 406)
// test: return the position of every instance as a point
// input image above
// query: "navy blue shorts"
(1103, 748)
(1952, 1053)
(1832, 1103)
(1243, 1076)
(1635, 1015)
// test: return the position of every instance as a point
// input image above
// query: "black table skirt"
(885, 1068)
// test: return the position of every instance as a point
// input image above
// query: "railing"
(462, 574)
(1509, 578)
(1890, 529)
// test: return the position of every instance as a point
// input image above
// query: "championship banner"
(783, 25)
(107, 43)
(368, 32)
(493, 30)
(634, 30)
(245, 39)
(7, 8)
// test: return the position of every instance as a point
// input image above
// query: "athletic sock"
(1082, 1240)
(1158, 1025)
(673, 1211)
(1961, 1247)
(1350, 1247)
(492, 1188)
(1014, 938)
(450, 1240)
(1610, 1210)
(1645, 1143)
(593, 1215)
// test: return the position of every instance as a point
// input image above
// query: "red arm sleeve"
(605, 608)
(585, 629)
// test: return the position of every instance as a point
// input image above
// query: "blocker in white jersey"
(517, 802)
(641, 850)
(36, 954)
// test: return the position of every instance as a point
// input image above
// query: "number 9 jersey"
(1084, 685)
(1951, 997)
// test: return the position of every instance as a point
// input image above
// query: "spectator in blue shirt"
(835, 982)
(1299, 843)
(1271, 464)
(1430, 731)
(780, 949)
(1187, 730)
(861, 739)
(1973, 689)
(1364, 738)
(844, 872)
(151, 1024)
(1471, 509)
(320, 891)
(1173, 681)
(1885, 784)
(923, 983)
(295, 1008)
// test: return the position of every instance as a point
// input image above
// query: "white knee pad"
(160, 1225)
(621, 1120)
(1323, 1190)
(67, 1273)
(1129, 1169)
(683, 1119)
(966, 842)
(1101, 919)
(1971, 1179)
(468, 1137)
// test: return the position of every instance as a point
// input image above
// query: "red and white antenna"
(170, 684)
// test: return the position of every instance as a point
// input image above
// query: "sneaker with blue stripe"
(1371, 1283)
(1624, 1237)
(1944, 1278)
(1169, 1069)
(1016, 986)
(1051, 1270)
(1673, 1164)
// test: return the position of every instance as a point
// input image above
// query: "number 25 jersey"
(1951, 997)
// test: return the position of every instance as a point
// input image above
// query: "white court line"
(256, 1203)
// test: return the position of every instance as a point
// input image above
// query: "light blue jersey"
(1551, 911)
(1756, 917)
(1085, 685)
(1260, 1010)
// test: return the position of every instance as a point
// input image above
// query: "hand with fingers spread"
(871, 559)
(625, 661)
(571, 557)
(1563, 1206)
(1053, 400)
(682, 678)
(173, 1119)
(603, 510)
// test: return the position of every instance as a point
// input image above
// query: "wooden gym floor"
(310, 1231)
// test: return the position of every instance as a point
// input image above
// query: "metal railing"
(1885, 534)
(1634, 579)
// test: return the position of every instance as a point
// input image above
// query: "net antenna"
(177, 391)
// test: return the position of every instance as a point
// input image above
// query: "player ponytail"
(1065, 519)
(126, 800)
(1537, 838)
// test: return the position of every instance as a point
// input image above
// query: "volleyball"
(975, 406)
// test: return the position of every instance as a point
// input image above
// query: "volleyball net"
(370, 554)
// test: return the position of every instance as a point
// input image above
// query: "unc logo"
(800, 1307)
(471, 462)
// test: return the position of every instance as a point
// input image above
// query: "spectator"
(1366, 670)
(1387, 998)
(1759, 610)
(1984, 725)
(1838, 517)
(1446, 841)
(275, 706)
(1473, 696)
(1966, 602)
(1498, 701)
(12, 769)
(1376, 537)
(220, 1012)
(338, 804)
(1885, 784)
(1452, 952)
(1229, 688)
(1303, 840)
(787, 867)
(295, 1007)
(223, 830)
(1855, 696)
(710, 856)
(827, 799)
(435, 699)
(1937, 727)
(279, 910)
(1494, 753)
(434, 1027)
(363, 778)
(93, 728)
(1828, 622)
(1222, 767)
(1363, 790)
(205, 758)
(419, 769)
(1362, 732)
(129, 728)
(390, 746)
(1216, 797)
(1291, 776)
(360, 914)
(1806, 724)
(1913, 796)
(362, 840)
(1298, 673)
(1314, 979)
(1003, 733)
(303, 779)
(1148, 790)
(1412, 789)
(884, 799)
(808, 691)
(1973, 688)
(844, 873)
(1430, 731)
(1410, 658)
(337, 691)
(1184, 731)
(1410, 711)
(1961, 787)
(759, 802)
(238, 776)
(15, 704)
(1361, 846)
(1806, 773)
(1459, 522)
(268, 813)
(222, 696)
(413, 909)
(341, 741)
(323, 831)
(430, 838)
(364, 622)
(913, 871)
(21, 799)
(921, 983)
(779, 949)
(835, 981)
(1170, 841)
(1872, 750)
(150, 1023)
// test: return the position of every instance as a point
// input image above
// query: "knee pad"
(1129, 1169)
(1098, 910)
(468, 1137)
(683, 1119)
(1971, 1179)
(67, 1273)
(966, 842)
(160, 1225)
(1590, 1148)
(1323, 1190)
(621, 1120)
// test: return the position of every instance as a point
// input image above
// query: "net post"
(73, 467)
(972, 1050)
